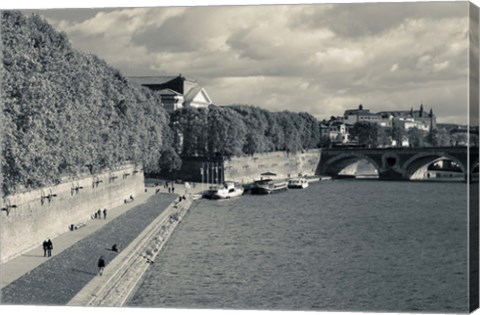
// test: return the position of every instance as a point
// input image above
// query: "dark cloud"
(172, 36)
(186, 32)
(72, 15)
(366, 19)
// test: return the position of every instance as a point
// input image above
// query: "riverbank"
(122, 275)
(56, 280)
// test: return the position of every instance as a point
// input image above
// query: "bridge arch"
(475, 166)
(423, 159)
(336, 164)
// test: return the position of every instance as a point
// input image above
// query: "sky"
(321, 58)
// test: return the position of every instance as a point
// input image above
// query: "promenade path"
(32, 279)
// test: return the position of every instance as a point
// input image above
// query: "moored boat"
(226, 191)
(298, 183)
(268, 186)
(314, 178)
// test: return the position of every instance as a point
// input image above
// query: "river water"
(338, 245)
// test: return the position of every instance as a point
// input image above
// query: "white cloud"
(441, 65)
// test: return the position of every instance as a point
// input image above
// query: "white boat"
(313, 179)
(298, 183)
(226, 191)
(268, 186)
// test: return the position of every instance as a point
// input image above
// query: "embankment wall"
(248, 168)
(37, 217)
(124, 273)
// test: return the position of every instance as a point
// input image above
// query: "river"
(337, 245)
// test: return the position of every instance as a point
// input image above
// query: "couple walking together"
(47, 248)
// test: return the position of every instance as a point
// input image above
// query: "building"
(176, 91)
(336, 131)
(414, 118)
(408, 119)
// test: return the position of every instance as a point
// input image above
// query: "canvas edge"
(473, 192)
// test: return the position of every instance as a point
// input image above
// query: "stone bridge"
(397, 163)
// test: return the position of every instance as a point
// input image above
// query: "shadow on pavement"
(29, 255)
(83, 271)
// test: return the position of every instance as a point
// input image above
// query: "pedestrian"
(169, 190)
(101, 265)
(49, 247)
(45, 247)
(99, 214)
(105, 213)
(173, 189)
(114, 248)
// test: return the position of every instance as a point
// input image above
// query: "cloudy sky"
(321, 58)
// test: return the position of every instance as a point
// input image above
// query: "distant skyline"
(321, 58)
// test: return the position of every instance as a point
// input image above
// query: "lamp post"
(176, 144)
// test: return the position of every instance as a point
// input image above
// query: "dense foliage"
(239, 129)
(65, 112)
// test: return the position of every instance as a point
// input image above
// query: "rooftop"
(156, 80)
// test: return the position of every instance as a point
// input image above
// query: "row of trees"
(240, 129)
(65, 112)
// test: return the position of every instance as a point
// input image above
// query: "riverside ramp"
(122, 275)
(59, 279)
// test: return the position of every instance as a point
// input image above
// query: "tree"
(366, 133)
(416, 137)
(65, 112)
(398, 133)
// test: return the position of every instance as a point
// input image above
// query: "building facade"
(408, 119)
(176, 92)
(337, 132)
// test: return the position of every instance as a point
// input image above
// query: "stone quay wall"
(123, 274)
(246, 169)
(31, 217)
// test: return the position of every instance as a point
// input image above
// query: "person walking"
(105, 213)
(99, 214)
(49, 248)
(101, 265)
(45, 247)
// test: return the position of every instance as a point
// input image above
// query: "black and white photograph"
(266, 156)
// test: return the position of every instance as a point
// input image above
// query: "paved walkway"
(32, 279)
(17, 267)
